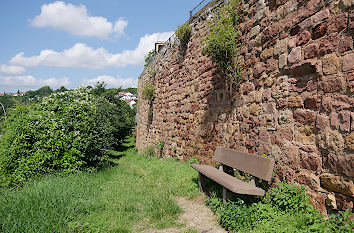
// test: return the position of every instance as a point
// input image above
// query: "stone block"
(330, 64)
(295, 55)
(319, 31)
(348, 62)
(322, 121)
(283, 61)
(330, 84)
(305, 116)
(308, 178)
(281, 46)
(259, 68)
(337, 23)
(311, 51)
(305, 135)
(341, 164)
(312, 102)
(320, 16)
(349, 142)
(328, 44)
(345, 43)
(347, 3)
(255, 31)
(303, 38)
(311, 161)
(331, 140)
(267, 53)
(337, 184)
(344, 124)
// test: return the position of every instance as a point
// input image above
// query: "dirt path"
(196, 216)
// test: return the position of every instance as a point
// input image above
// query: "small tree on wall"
(183, 33)
(149, 94)
(223, 42)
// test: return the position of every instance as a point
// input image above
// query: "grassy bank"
(137, 192)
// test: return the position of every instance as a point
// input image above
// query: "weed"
(183, 33)
(148, 92)
(149, 151)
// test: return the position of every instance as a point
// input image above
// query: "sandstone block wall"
(295, 102)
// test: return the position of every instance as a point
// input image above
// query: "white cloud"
(26, 81)
(7, 69)
(76, 20)
(83, 56)
(111, 82)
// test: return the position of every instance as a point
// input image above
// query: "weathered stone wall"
(295, 101)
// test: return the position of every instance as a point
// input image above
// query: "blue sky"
(74, 43)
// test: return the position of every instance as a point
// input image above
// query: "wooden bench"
(255, 165)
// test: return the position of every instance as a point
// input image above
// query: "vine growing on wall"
(149, 94)
(183, 33)
(223, 42)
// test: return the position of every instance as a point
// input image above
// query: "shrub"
(149, 151)
(148, 92)
(285, 209)
(223, 41)
(184, 33)
(66, 131)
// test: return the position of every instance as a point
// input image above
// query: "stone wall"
(295, 101)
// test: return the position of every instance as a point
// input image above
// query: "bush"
(223, 41)
(285, 209)
(148, 92)
(66, 131)
(184, 33)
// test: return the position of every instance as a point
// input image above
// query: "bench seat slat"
(231, 183)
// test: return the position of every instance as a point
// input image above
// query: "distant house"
(126, 96)
(14, 94)
(130, 102)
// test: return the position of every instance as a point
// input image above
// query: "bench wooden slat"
(227, 181)
(259, 166)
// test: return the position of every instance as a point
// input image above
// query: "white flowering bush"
(66, 131)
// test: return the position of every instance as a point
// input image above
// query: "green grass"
(135, 194)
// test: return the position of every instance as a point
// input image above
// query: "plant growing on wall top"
(184, 33)
(148, 57)
(223, 41)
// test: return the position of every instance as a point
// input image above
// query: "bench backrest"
(259, 166)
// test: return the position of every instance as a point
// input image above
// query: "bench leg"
(226, 194)
(202, 185)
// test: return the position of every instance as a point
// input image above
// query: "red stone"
(304, 116)
(287, 133)
(344, 202)
(334, 120)
(259, 68)
(291, 157)
(328, 44)
(311, 161)
(344, 121)
(319, 31)
(306, 23)
(322, 15)
(341, 164)
(348, 62)
(337, 23)
(322, 121)
(303, 38)
(337, 102)
(345, 44)
(272, 65)
(311, 51)
(295, 55)
(312, 102)
(332, 84)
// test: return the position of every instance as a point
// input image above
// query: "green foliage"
(148, 92)
(160, 145)
(285, 209)
(149, 56)
(138, 193)
(223, 41)
(152, 72)
(193, 160)
(65, 131)
(184, 33)
(288, 197)
(149, 151)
